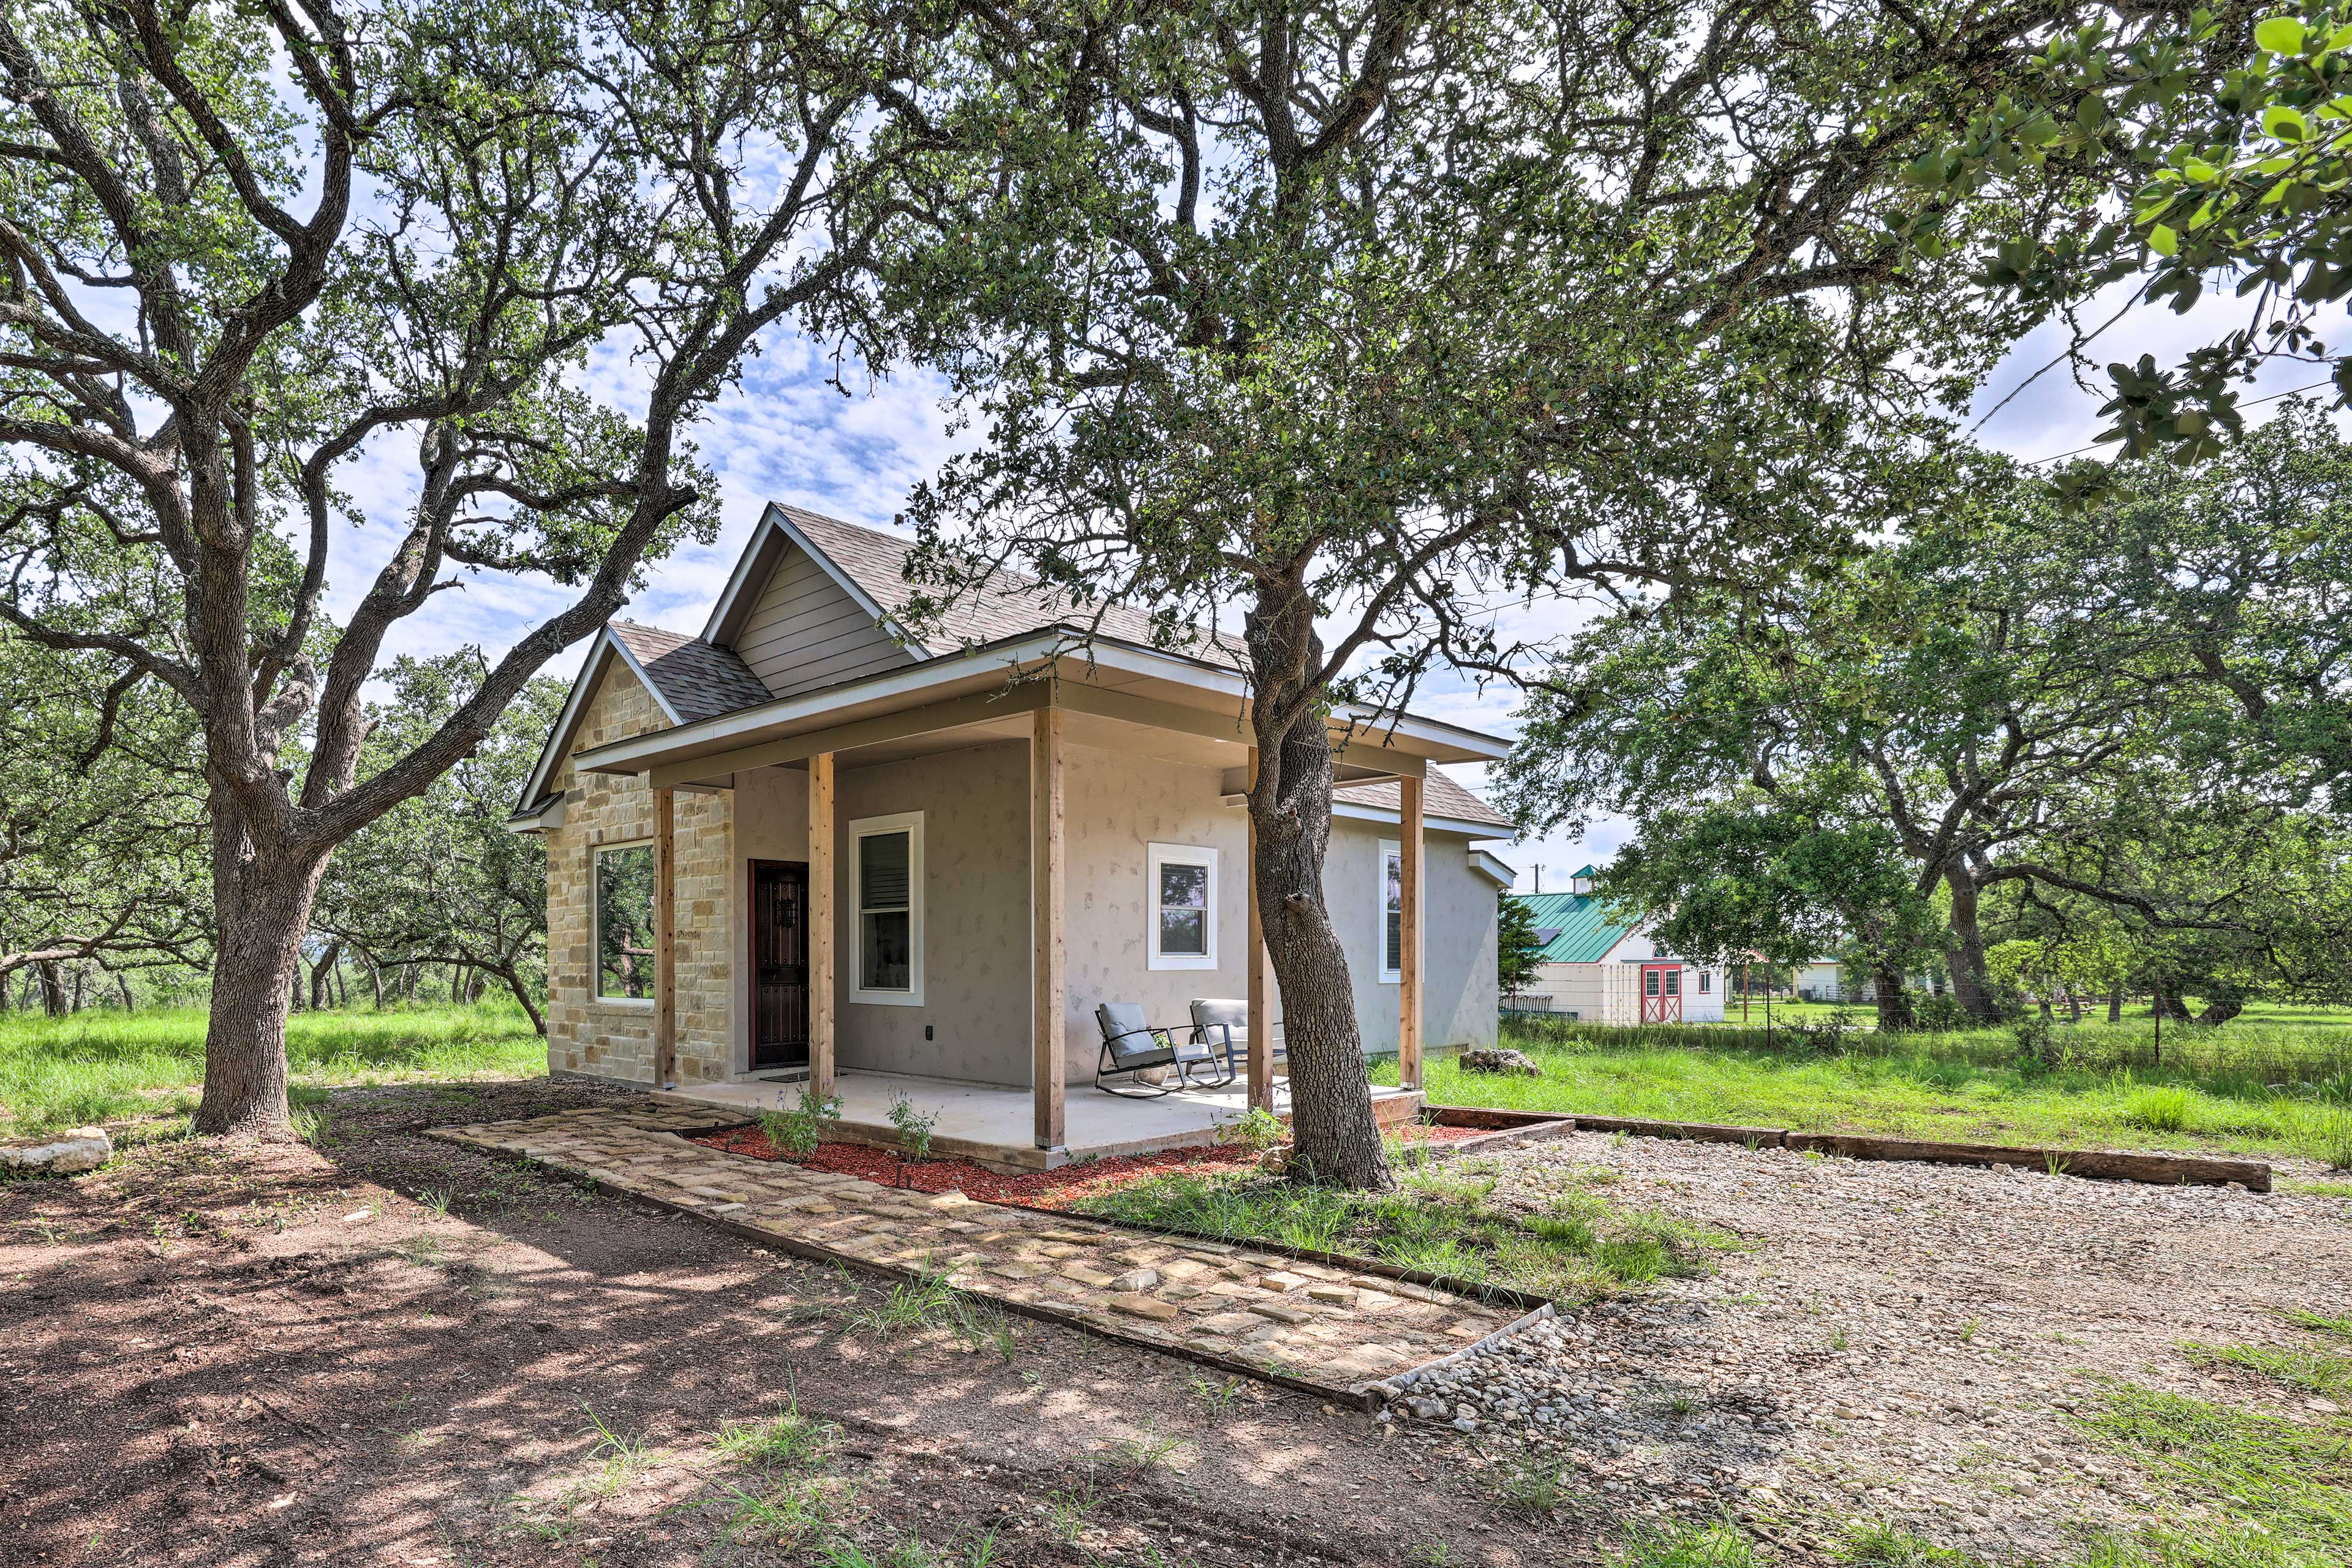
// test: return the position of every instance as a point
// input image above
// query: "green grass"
(1438, 1221)
(116, 1066)
(2272, 1492)
(2319, 1372)
(1924, 1087)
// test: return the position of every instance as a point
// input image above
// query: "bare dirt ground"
(389, 1350)
(225, 1355)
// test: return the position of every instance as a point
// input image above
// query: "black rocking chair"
(1132, 1047)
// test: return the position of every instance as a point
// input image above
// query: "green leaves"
(2279, 35)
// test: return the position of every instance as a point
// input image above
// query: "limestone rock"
(63, 1153)
(1500, 1061)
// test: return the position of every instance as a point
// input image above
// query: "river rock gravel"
(1890, 1340)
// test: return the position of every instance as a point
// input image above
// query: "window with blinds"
(886, 873)
(1391, 912)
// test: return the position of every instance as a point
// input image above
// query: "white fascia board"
(1483, 860)
(1355, 811)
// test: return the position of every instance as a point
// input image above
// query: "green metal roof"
(1583, 934)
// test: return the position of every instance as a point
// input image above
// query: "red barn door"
(1661, 993)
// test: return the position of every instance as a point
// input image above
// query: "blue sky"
(785, 434)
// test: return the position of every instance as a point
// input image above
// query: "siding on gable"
(806, 632)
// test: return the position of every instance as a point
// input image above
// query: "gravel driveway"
(1889, 1341)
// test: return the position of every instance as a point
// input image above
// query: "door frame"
(1655, 1009)
(753, 865)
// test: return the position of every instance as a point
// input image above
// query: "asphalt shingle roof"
(699, 680)
(1439, 797)
(1581, 933)
(1011, 605)
(703, 681)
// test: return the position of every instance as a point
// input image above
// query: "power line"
(2257, 403)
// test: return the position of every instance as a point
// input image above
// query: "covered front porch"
(1100, 750)
(995, 1125)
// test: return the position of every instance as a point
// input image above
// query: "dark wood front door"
(780, 978)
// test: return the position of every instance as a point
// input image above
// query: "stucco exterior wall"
(604, 1036)
(976, 1001)
(1115, 806)
(1458, 993)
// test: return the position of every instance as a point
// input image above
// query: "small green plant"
(800, 1130)
(2340, 1327)
(1882, 1545)
(789, 1515)
(438, 1199)
(1533, 1487)
(2167, 1109)
(1722, 1544)
(1838, 1339)
(1968, 1330)
(1067, 1509)
(1217, 1395)
(787, 1440)
(2037, 1049)
(1146, 1450)
(914, 1134)
(1259, 1131)
(924, 1302)
(2335, 1140)
(1431, 1553)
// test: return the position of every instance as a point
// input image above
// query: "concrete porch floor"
(991, 1123)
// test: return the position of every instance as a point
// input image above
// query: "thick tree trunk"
(1336, 1140)
(263, 910)
(1971, 981)
(122, 986)
(2115, 1005)
(53, 991)
(322, 977)
(1893, 999)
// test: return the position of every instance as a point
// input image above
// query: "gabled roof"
(1439, 797)
(869, 565)
(697, 679)
(1581, 933)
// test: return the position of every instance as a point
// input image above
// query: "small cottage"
(802, 845)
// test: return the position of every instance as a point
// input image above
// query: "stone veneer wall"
(614, 1040)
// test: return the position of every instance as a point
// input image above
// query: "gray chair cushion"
(1130, 1039)
(1209, 1013)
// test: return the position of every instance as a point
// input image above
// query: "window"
(1184, 891)
(1391, 912)
(1706, 981)
(886, 862)
(1649, 983)
(1674, 982)
(624, 922)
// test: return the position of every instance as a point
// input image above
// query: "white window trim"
(596, 853)
(1390, 848)
(1182, 855)
(911, 824)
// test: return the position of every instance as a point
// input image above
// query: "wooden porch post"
(1261, 1004)
(820, 924)
(665, 939)
(1409, 958)
(1047, 969)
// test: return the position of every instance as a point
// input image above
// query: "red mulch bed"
(1055, 1189)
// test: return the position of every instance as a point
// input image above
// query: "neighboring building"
(1600, 972)
(1827, 980)
(985, 858)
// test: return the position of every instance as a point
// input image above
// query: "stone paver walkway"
(1324, 1328)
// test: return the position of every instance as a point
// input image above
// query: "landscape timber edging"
(1366, 1396)
(2100, 1164)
